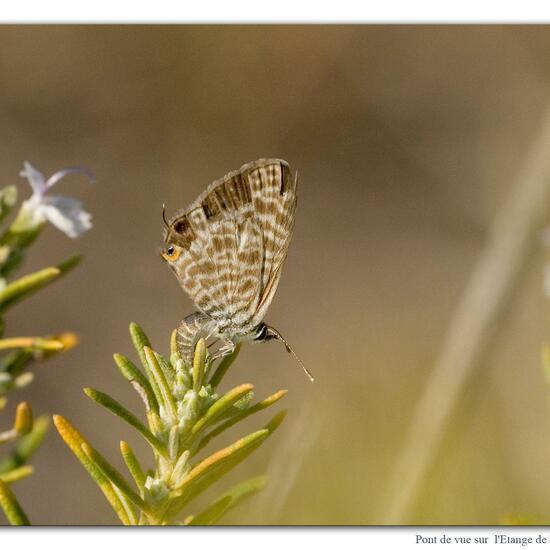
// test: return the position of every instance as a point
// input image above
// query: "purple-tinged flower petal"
(66, 214)
(54, 178)
(35, 178)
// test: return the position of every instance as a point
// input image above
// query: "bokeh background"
(407, 140)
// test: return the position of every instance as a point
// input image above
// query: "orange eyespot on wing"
(171, 254)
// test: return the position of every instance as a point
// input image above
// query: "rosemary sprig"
(184, 413)
(18, 353)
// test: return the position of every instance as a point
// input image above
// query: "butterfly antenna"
(277, 335)
(164, 216)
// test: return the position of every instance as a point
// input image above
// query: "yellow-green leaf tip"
(23, 418)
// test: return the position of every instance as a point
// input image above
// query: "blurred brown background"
(406, 139)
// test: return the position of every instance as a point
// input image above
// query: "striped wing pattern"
(235, 238)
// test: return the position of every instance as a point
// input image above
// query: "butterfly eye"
(171, 254)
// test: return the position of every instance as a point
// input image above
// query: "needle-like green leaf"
(219, 458)
(116, 408)
(212, 468)
(26, 446)
(28, 284)
(220, 406)
(135, 376)
(133, 465)
(35, 342)
(155, 371)
(227, 501)
(166, 367)
(140, 341)
(23, 418)
(115, 477)
(69, 264)
(267, 402)
(199, 364)
(74, 441)
(16, 474)
(11, 507)
(275, 422)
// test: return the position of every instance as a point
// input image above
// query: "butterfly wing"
(274, 197)
(235, 238)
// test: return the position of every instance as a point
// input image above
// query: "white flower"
(65, 213)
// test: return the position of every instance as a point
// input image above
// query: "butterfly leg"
(227, 349)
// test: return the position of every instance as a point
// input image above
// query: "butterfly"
(227, 250)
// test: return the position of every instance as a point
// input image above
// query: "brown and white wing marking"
(227, 265)
(274, 197)
(235, 237)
